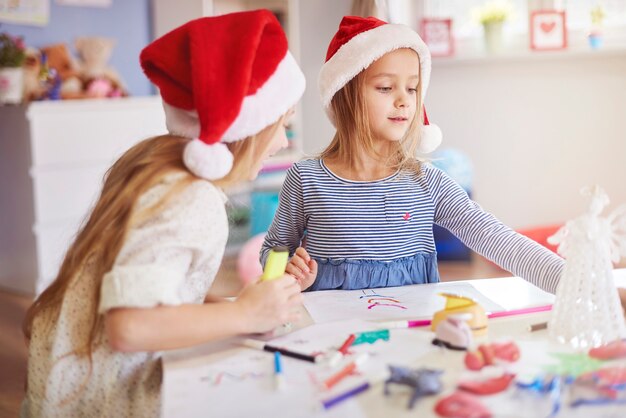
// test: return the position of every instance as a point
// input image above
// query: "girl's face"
(276, 141)
(391, 93)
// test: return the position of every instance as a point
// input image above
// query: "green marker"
(276, 263)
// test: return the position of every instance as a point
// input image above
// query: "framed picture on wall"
(548, 30)
(437, 34)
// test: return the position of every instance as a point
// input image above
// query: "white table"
(223, 379)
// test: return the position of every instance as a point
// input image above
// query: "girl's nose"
(402, 100)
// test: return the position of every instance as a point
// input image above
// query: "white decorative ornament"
(587, 312)
(208, 161)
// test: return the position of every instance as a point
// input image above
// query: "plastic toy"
(456, 304)
(461, 405)
(248, 265)
(454, 333)
(423, 381)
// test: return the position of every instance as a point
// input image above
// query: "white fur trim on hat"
(430, 138)
(181, 122)
(209, 162)
(363, 49)
(279, 93)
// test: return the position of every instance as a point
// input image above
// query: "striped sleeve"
(485, 234)
(287, 228)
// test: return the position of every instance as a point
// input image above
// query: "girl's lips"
(398, 119)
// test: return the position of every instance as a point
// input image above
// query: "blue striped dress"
(367, 234)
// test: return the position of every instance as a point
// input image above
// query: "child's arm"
(486, 235)
(287, 228)
(259, 308)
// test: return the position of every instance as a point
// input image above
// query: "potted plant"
(12, 55)
(492, 16)
(595, 34)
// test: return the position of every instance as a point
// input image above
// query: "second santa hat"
(222, 79)
(357, 44)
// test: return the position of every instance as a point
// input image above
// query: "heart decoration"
(547, 27)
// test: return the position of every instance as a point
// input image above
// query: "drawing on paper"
(375, 300)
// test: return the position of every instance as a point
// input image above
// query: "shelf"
(528, 55)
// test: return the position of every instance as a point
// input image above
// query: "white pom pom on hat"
(213, 98)
(359, 42)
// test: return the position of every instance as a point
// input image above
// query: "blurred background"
(529, 94)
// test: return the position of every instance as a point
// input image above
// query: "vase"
(11, 85)
(595, 40)
(493, 36)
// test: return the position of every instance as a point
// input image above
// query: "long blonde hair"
(101, 237)
(354, 133)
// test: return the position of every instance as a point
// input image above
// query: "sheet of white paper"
(239, 381)
(390, 303)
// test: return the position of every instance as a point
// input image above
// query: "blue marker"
(278, 371)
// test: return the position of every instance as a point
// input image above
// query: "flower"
(493, 12)
(12, 50)
(597, 15)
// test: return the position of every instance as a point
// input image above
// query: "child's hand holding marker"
(303, 268)
(268, 304)
(274, 300)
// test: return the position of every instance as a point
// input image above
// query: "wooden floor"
(13, 308)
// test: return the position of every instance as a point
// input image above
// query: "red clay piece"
(461, 405)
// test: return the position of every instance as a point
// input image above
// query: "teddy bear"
(57, 57)
(99, 79)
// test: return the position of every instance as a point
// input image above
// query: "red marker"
(342, 351)
(346, 371)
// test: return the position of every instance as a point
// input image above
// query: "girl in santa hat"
(135, 281)
(367, 205)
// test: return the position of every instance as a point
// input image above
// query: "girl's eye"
(413, 91)
(384, 89)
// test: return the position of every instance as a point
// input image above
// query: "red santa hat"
(358, 43)
(222, 79)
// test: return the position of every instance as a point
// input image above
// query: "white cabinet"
(53, 156)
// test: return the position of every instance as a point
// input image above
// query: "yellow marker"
(276, 263)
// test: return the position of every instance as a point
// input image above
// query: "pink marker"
(498, 314)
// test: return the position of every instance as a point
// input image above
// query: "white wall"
(536, 128)
(318, 22)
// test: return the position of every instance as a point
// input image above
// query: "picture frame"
(548, 30)
(438, 36)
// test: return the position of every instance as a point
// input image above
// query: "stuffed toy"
(59, 59)
(33, 87)
(99, 79)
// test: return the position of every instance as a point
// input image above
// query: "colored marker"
(537, 327)
(276, 263)
(346, 371)
(499, 314)
(329, 403)
(406, 324)
(342, 351)
(279, 378)
(519, 311)
(260, 345)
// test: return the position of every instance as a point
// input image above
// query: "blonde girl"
(135, 281)
(361, 215)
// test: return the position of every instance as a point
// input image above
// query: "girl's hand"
(268, 304)
(303, 268)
